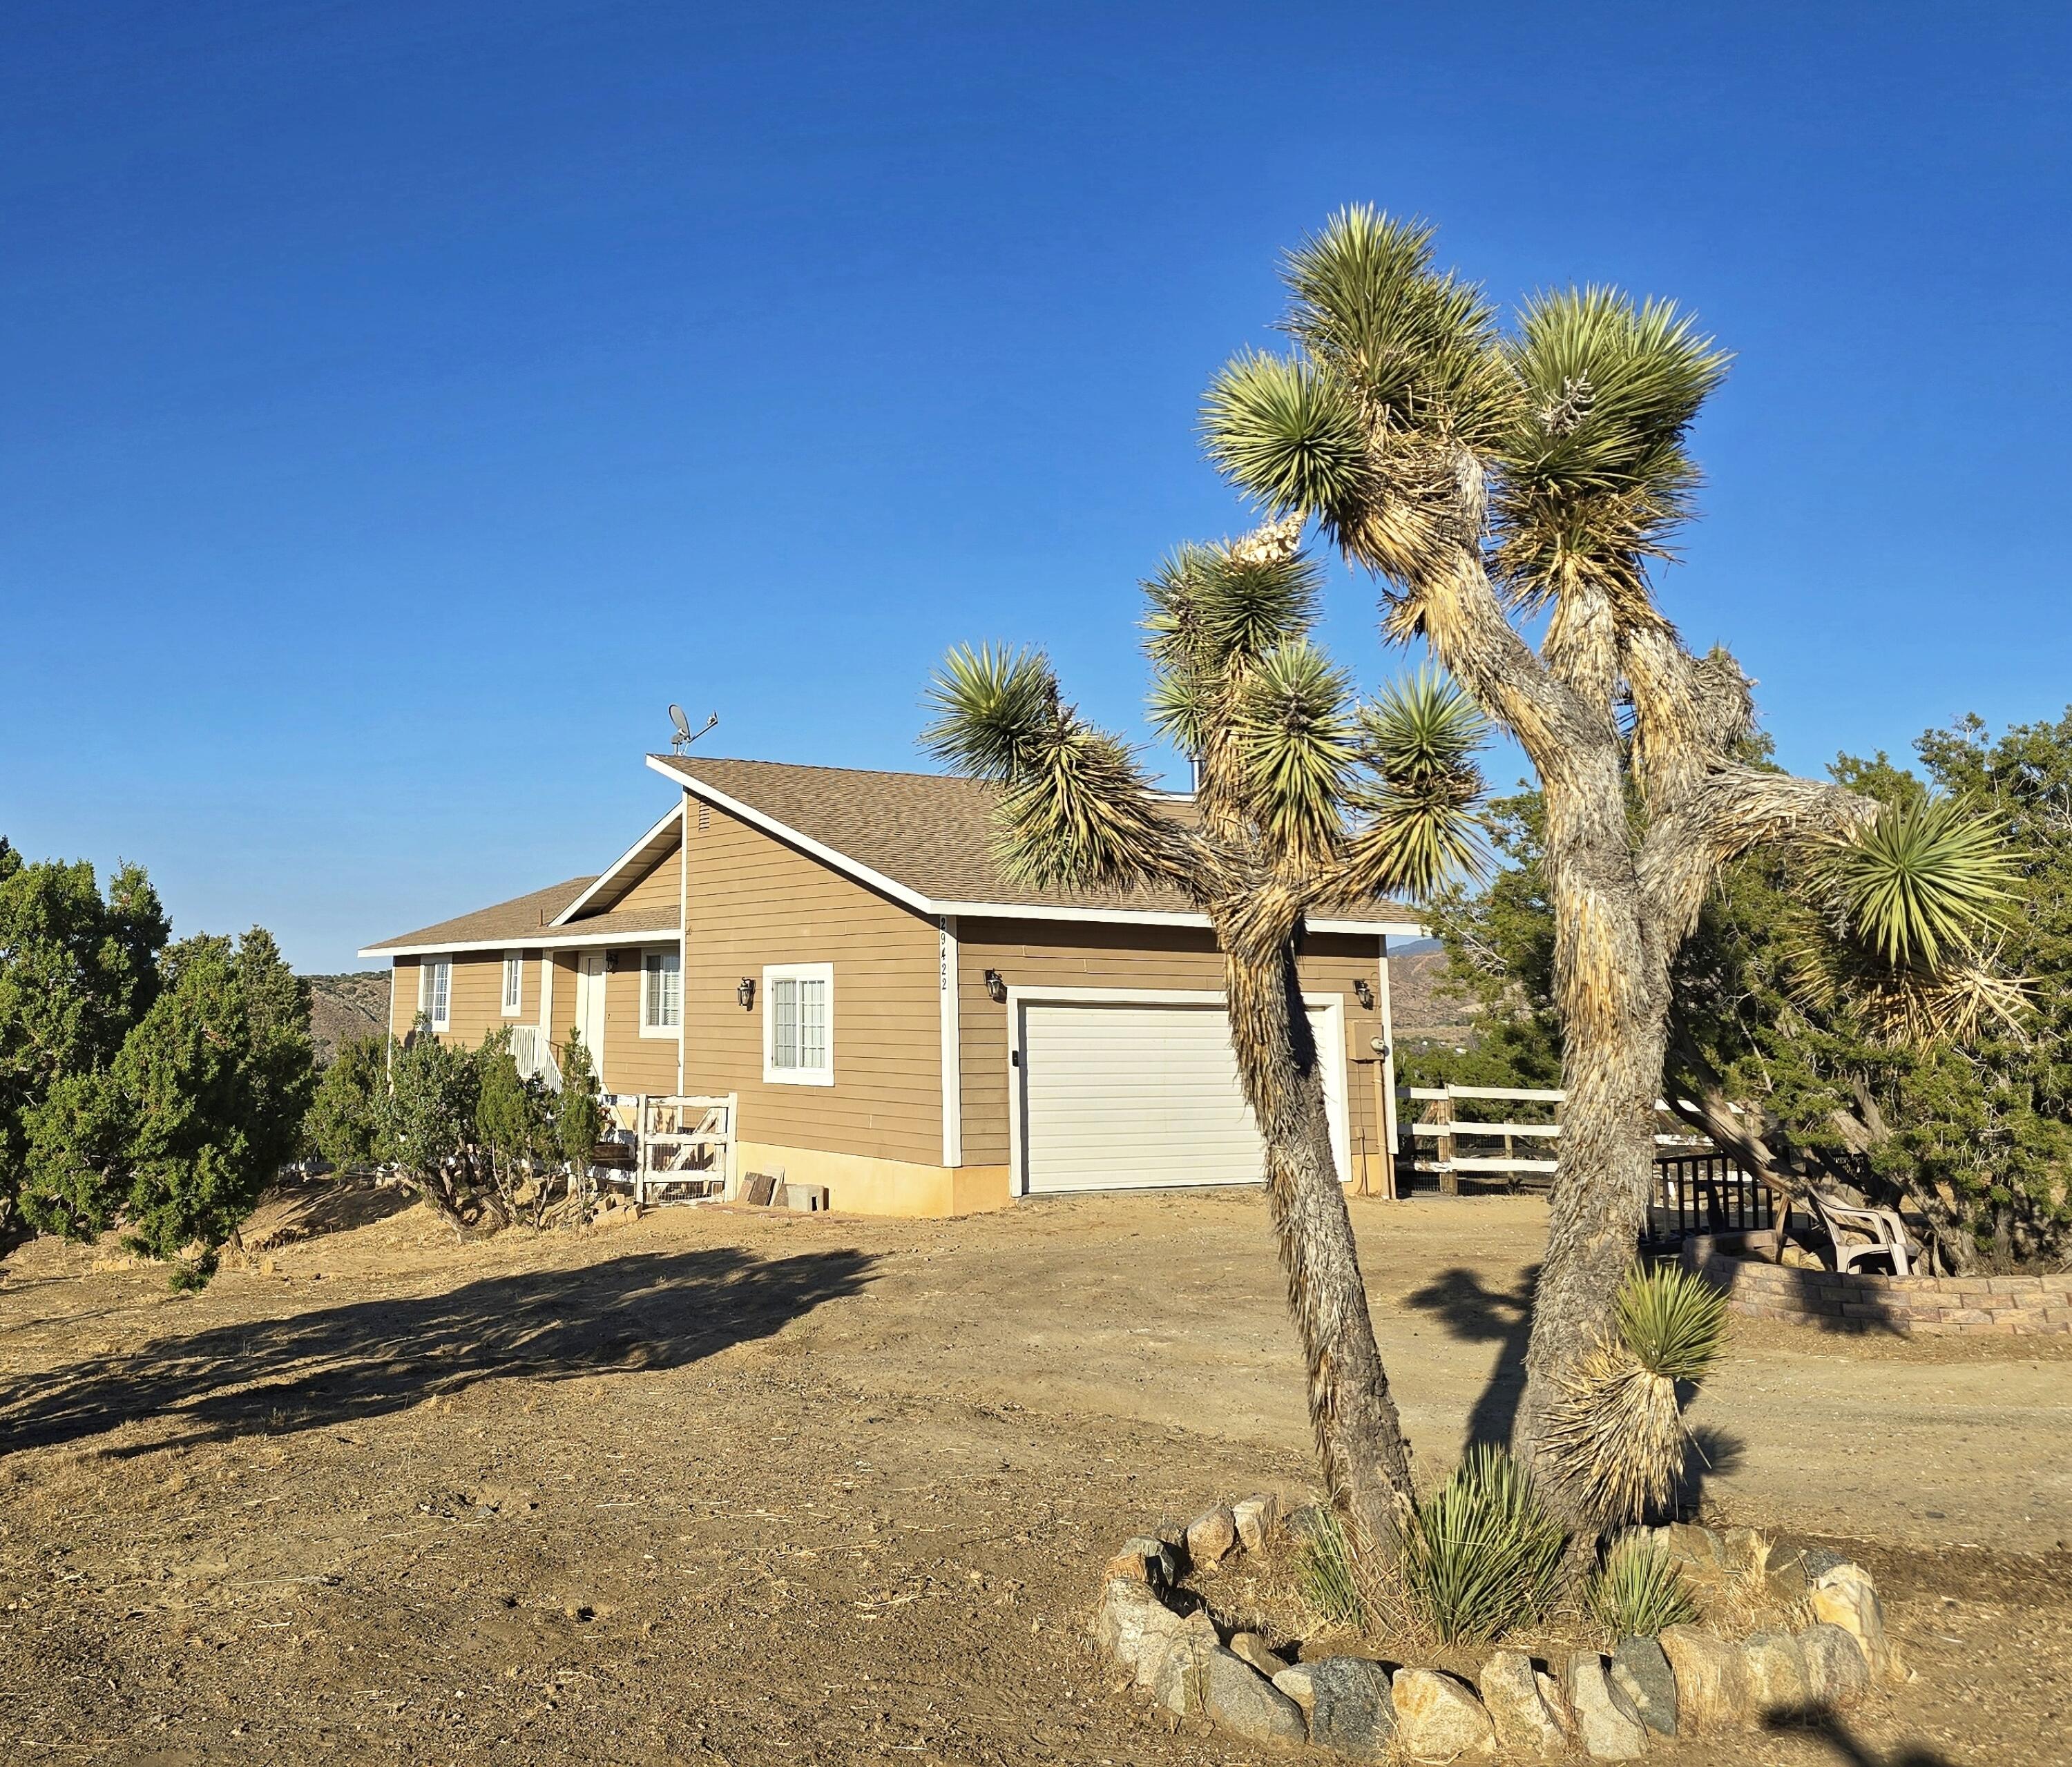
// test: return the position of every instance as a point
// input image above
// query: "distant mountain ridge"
(354, 1004)
(1418, 1006)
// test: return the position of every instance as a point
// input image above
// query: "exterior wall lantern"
(995, 987)
(1363, 993)
(745, 992)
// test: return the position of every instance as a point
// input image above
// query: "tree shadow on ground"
(1471, 1310)
(1711, 1453)
(1821, 1723)
(644, 1313)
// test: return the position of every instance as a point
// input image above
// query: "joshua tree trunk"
(1359, 1437)
(1624, 897)
(1612, 993)
(1603, 1176)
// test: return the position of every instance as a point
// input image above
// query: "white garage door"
(1126, 1095)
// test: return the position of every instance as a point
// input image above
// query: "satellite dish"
(685, 736)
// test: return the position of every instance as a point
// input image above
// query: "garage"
(1120, 1090)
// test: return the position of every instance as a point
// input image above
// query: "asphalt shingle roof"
(933, 832)
(530, 916)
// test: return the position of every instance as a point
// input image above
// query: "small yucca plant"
(1480, 1553)
(1618, 1436)
(1673, 1321)
(1636, 1591)
(1327, 1572)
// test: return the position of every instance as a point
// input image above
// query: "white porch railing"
(534, 1055)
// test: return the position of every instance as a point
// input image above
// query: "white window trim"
(773, 1074)
(512, 1009)
(647, 1030)
(425, 1001)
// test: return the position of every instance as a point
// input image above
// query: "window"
(661, 992)
(435, 992)
(514, 982)
(798, 1024)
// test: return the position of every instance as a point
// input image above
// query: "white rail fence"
(1440, 1123)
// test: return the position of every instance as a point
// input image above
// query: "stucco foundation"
(860, 1185)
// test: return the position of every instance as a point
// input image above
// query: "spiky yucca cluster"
(1426, 439)
(1480, 1553)
(1617, 1439)
(1342, 800)
(1636, 1590)
(1329, 1579)
(1897, 921)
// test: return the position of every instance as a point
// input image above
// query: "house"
(900, 1024)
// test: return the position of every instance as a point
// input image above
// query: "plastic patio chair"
(1858, 1233)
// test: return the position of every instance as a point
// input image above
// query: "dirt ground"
(714, 1487)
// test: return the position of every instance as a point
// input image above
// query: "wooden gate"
(686, 1142)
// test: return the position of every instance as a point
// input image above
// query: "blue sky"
(403, 404)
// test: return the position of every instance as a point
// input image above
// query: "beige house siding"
(1036, 954)
(564, 998)
(474, 999)
(755, 901)
(632, 1063)
(403, 997)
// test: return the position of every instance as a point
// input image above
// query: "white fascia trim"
(997, 910)
(1154, 916)
(683, 930)
(620, 865)
(536, 942)
(899, 892)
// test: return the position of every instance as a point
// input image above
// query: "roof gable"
(926, 839)
(628, 871)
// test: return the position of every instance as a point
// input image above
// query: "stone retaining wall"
(1929, 1305)
(1828, 1653)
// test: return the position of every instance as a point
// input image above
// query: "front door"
(589, 1007)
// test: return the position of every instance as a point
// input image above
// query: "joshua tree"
(1490, 478)
(1305, 800)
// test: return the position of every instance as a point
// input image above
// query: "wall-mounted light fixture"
(996, 986)
(745, 992)
(1363, 993)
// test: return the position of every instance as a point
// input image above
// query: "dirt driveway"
(714, 1487)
